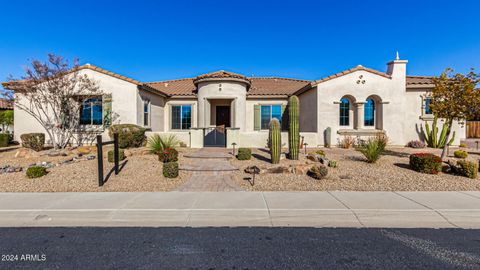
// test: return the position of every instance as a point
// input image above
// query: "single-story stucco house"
(221, 108)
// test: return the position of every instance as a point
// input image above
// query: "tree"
(454, 98)
(52, 93)
(6, 119)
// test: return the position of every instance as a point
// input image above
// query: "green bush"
(157, 143)
(4, 139)
(121, 155)
(129, 135)
(168, 155)
(467, 168)
(34, 141)
(170, 169)
(372, 149)
(332, 164)
(318, 172)
(426, 163)
(462, 145)
(460, 154)
(36, 171)
(244, 153)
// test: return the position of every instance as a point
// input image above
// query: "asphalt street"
(238, 248)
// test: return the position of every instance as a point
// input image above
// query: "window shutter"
(256, 117)
(284, 118)
(107, 110)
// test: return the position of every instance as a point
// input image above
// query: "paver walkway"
(211, 171)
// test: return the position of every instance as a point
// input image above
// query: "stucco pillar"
(360, 115)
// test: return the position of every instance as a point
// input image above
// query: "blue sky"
(154, 40)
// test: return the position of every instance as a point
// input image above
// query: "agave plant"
(158, 143)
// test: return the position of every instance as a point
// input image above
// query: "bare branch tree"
(52, 92)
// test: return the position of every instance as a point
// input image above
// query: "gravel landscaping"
(140, 173)
(390, 173)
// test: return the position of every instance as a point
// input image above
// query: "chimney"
(397, 68)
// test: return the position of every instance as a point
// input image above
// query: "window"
(344, 112)
(91, 111)
(428, 110)
(268, 112)
(146, 112)
(369, 113)
(181, 116)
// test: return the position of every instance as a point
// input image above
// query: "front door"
(223, 116)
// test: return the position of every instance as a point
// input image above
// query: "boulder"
(278, 169)
(84, 150)
(141, 151)
(26, 153)
(315, 157)
(301, 169)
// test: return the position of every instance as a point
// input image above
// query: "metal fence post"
(116, 151)
(100, 160)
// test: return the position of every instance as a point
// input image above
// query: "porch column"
(360, 115)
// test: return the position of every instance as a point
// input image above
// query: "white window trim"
(424, 116)
(91, 125)
(149, 110)
(270, 105)
(181, 111)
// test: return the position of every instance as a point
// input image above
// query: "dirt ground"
(390, 173)
(138, 173)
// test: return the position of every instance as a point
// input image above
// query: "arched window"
(344, 112)
(369, 113)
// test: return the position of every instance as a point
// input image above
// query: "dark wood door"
(223, 116)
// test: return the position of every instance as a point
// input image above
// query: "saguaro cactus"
(275, 141)
(293, 127)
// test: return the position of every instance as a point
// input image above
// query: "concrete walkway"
(306, 209)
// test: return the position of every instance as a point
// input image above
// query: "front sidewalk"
(183, 209)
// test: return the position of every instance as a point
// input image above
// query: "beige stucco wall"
(214, 90)
(124, 106)
(398, 110)
(157, 110)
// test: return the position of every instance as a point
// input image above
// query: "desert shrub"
(318, 152)
(129, 135)
(318, 171)
(372, 149)
(157, 143)
(170, 169)
(121, 155)
(426, 163)
(36, 171)
(244, 153)
(460, 154)
(467, 168)
(462, 145)
(382, 140)
(34, 141)
(346, 142)
(416, 144)
(332, 164)
(4, 139)
(168, 155)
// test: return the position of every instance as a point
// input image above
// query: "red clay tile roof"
(221, 74)
(260, 86)
(6, 104)
(415, 81)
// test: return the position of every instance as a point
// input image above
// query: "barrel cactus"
(275, 141)
(293, 127)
